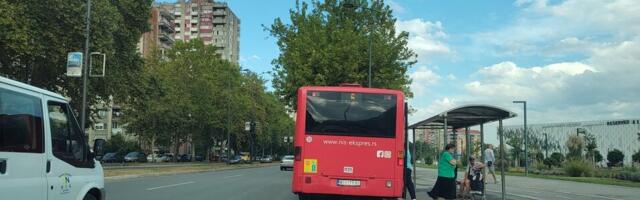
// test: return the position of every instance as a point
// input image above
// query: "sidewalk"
(518, 187)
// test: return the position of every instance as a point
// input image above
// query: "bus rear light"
(400, 162)
(389, 184)
(298, 153)
(307, 180)
(400, 154)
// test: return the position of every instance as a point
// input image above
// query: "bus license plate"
(349, 183)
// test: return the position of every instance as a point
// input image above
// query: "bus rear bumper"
(371, 187)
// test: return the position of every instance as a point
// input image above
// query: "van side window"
(21, 127)
(67, 140)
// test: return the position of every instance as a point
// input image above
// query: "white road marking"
(588, 195)
(233, 176)
(166, 186)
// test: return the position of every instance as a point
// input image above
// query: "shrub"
(539, 166)
(555, 159)
(553, 172)
(577, 168)
(499, 165)
(429, 160)
(636, 157)
(615, 157)
(629, 176)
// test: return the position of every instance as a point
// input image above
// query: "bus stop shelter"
(465, 117)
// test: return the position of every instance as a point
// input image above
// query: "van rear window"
(21, 127)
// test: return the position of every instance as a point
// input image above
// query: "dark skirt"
(444, 188)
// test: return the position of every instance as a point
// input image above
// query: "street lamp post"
(85, 70)
(546, 146)
(351, 5)
(526, 158)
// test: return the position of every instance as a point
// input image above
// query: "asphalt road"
(270, 183)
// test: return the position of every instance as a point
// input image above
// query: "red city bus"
(349, 141)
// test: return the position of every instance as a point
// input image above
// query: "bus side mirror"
(98, 147)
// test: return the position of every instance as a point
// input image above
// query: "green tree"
(327, 44)
(555, 159)
(37, 35)
(575, 144)
(118, 144)
(615, 157)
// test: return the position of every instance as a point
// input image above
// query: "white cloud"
(422, 78)
(506, 81)
(396, 7)
(437, 106)
(555, 29)
(425, 37)
(451, 77)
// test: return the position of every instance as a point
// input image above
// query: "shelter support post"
(482, 154)
(414, 155)
(445, 129)
(468, 142)
(502, 156)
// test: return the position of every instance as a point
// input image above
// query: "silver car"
(286, 163)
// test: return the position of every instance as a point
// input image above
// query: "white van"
(43, 152)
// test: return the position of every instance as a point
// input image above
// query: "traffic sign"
(74, 64)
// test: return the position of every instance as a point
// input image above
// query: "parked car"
(111, 158)
(266, 159)
(236, 160)
(184, 158)
(42, 146)
(153, 158)
(199, 158)
(223, 158)
(166, 157)
(286, 163)
(135, 157)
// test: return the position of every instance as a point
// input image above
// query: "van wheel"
(281, 168)
(89, 197)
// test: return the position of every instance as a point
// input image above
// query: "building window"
(99, 126)
(114, 125)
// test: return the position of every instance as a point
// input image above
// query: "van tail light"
(400, 158)
(297, 153)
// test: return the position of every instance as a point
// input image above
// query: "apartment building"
(161, 34)
(212, 22)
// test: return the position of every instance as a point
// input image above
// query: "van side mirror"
(98, 147)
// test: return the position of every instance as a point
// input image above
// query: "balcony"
(219, 21)
(219, 13)
(166, 38)
(166, 25)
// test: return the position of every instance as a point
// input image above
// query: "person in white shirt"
(490, 162)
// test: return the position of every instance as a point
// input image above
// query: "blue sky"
(572, 60)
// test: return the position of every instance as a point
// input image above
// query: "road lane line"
(166, 186)
(588, 195)
(233, 176)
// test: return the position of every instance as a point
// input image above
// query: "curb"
(123, 177)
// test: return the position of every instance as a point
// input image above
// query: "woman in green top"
(445, 186)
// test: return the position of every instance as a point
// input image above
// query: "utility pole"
(546, 146)
(85, 70)
(526, 144)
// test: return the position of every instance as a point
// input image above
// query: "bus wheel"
(89, 197)
(303, 197)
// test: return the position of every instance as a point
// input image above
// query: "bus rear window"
(351, 114)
